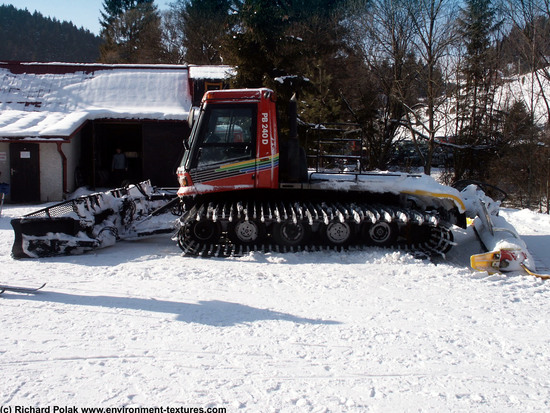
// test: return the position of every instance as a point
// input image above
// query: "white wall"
(51, 169)
(51, 178)
(72, 152)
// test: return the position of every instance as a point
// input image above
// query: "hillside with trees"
(431, 72)
(428, 74)
(33, 37)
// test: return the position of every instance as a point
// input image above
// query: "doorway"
(124, 136)
(25, 172)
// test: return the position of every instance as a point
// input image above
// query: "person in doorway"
(119, 167)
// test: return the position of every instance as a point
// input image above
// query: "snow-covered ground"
(137, 324)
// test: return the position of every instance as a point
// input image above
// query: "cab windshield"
(226, 133)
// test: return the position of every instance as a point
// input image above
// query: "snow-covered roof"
(211, 72)
(48, 102)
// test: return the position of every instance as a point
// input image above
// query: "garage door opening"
(128, 138)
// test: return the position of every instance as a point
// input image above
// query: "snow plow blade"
(32, 240)
(501, 261)
(506, 251)
(95, 221)
(498, 261)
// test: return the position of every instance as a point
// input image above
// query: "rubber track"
(438, 242)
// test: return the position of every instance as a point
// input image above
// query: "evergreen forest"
(29, 36)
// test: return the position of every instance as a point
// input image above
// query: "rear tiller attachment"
(94, 221)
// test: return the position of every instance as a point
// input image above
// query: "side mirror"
(192, 115)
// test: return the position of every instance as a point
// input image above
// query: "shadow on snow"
(213, 313)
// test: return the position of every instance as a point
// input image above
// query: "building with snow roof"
(61, 123)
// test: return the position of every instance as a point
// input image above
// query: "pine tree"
(256, 41)
(319, 104)
(131, 32)
(113, 9)
(291, 47)
(205, 23)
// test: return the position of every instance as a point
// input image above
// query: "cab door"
(224, 156)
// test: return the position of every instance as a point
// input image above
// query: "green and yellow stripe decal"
(251, 165)
(235, 169)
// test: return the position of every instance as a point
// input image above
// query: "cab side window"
(227, 134)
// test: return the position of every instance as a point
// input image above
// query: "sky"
(82, 13)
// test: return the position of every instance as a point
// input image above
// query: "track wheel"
(338, 233)
(441, 240)
(290, 234)
(182, 239)
(204, 231)
(380, 234)
(246, 232)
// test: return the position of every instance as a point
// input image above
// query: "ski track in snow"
(137, 324)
